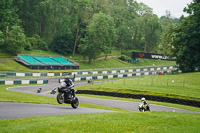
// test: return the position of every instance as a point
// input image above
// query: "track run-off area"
(20, 110)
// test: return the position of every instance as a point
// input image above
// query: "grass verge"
(152, 122)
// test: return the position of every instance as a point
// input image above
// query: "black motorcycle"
(65, 96)
(143, 107)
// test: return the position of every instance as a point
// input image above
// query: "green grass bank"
(153, 122)
(185, 86)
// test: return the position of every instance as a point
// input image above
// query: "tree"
(63, 43)
(8, 16)
(168, 23)
(15, 40)
(100, 35)
(151, 29)
(186, 41)
(2, 40)
(82, 12)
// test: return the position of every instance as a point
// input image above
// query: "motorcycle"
(143, 107)
(65, 96)
(53, 91)
(39, 90)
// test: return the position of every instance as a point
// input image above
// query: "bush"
(42, 45)
(123, 57)
(129, 59)
(28, 46)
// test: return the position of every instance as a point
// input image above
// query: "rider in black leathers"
(69, 83)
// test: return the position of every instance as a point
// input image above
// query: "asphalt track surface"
(19, 110)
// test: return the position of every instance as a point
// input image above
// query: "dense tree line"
(68, 26)
(183, 40)
(91, 27)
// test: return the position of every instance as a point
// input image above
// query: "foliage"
(15, 40)
(100, 36)
(151, 29)
(125, 58)
(168, 23)
(2, 39)
(122, 57)
(8, 15)
(42, 45)
(63, 43)
(186, 41)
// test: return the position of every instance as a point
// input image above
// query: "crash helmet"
(66, 77)
(142, 99)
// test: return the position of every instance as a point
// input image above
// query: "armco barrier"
(116, 76)
(32, 74)
(153, 68)
(3, 75)
(139, 96)
(22, 82)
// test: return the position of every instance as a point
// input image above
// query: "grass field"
(178, 86)
(153, 122)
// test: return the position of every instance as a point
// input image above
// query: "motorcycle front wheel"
(60, 98)
(75, 103)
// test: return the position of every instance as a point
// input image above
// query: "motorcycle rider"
(69, 83)
(144, 102)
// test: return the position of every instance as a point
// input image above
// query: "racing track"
(18, 110)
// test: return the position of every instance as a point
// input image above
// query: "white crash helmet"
(66, 77)
(143, 99)
(63, 84)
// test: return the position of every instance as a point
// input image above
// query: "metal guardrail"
(22, 82)
(118, 68)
